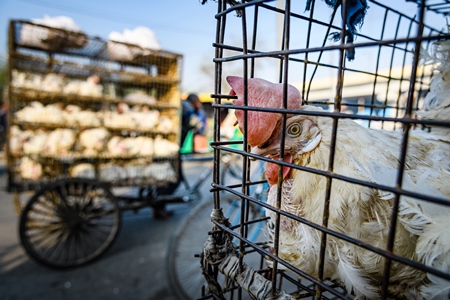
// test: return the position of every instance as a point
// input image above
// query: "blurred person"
(3, 124)
(228, 127)
(193, 118)
(227, 123)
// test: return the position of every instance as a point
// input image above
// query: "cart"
(87, 118)
(362, 63)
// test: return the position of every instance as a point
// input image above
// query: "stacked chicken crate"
(80, 106)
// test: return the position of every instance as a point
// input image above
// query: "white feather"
(352, 276)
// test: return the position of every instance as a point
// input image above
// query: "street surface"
(133, 268)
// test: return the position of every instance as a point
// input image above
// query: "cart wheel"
(183, 259)
(69, 222)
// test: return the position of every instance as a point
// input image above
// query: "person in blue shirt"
(3, 124)
(193, 117)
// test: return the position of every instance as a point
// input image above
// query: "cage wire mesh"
(84, 107)
(358, 205)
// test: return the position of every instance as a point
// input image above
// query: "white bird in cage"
(115, 146)
(87, 118)
(145, 145)
(144, 118)
(60, 141)
(30, 169)
(360, 212)
(84, 170)
(52, 83)
(30, 112)
(111, 172)
(140, 97)
(74, 115)
(436, 104)
(26, 80)
(17, 138)
(89, 87)
(37, 112)
(121, 117)
(165, 125)
(36, 143)
(135, 169)
(164, 147)
(93, 140)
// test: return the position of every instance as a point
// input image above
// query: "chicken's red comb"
(261, 93)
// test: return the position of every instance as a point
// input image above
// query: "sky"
(181, 26)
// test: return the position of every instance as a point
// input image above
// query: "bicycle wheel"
(231, 172)
(69, 222)
(185, 275)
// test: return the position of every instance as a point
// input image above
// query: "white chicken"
(52, 83)
(112, 173)
(120, 146)
(36, 112)
(75, 116)
(82, 170)
(143, 37)
(135, 169)
(115, 146)
(36, 143)
(144, 119)
(162, 172)
(52, 114)
(164, 147)
(120, 118)
(130, 146)
(30, 169)
(28, 113)
(60, 141)
(165, 125)
(437, 101)
(17, 138)
(146, 146)
(360, 212)
(19, 79)
(93, 140)
(140, 97)
(90, 87)
(87, 118)
(37, 36)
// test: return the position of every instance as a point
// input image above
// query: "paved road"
(134, 268)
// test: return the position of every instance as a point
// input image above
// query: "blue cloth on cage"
(356, 11)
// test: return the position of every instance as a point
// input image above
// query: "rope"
(220, 254)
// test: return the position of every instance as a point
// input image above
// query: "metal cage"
(361, 64)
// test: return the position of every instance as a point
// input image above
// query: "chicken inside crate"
(347, 104)
(79, 110)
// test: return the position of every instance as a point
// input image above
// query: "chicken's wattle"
(271, 170)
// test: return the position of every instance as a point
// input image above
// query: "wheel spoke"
(69, 223)
(43, 238)
(55, 252)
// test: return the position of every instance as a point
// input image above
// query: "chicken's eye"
(294, 129)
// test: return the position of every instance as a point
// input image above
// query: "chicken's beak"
(272, 150)
(256, 150)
